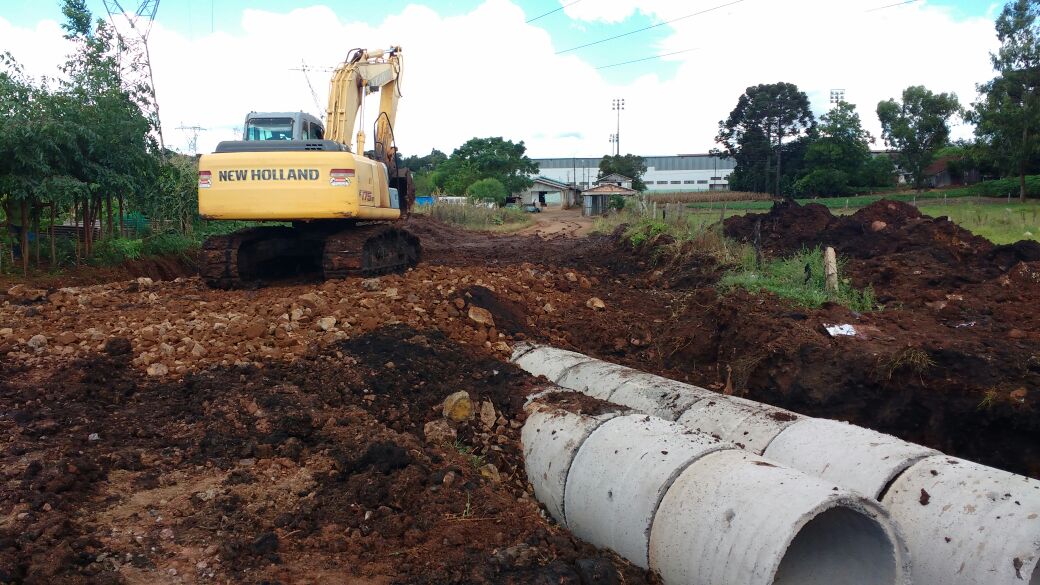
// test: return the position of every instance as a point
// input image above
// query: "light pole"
(619, 105)
(613, 141)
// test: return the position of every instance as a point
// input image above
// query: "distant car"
(532, 209)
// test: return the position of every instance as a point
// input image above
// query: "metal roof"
(682, 162)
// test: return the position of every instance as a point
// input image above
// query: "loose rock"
(458, 406)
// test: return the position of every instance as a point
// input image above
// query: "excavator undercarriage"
(254, 256)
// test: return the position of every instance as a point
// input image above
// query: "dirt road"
(162, 432)
(555, 222)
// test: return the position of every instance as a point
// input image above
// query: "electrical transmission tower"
(140, 25)
(193, 137)
(314, 95)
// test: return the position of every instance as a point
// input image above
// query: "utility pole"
(619, 105)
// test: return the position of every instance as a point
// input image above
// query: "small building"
(547, 191)
(617, 180)
(596, 201)
(943, 172)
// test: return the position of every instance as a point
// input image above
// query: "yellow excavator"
(341, 202)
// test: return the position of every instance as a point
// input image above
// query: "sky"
(479, 68)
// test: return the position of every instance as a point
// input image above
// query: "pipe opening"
(839, 547)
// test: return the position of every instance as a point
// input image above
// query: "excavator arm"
(365, 72)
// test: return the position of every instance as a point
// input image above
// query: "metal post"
(619, 104)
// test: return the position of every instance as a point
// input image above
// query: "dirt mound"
(318, 470)
(787, 227)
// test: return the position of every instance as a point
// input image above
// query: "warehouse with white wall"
(684, 172)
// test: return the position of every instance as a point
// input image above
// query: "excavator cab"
(282, 126)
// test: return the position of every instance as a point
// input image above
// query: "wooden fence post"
(830, 269)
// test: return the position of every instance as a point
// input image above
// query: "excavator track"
(369, 251)
(251, 257)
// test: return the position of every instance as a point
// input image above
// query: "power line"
(893, 5)
(650, 27)
(645, 59)
(552, 11)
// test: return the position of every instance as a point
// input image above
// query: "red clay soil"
(315, 471)
(154, 267)
(272, 444)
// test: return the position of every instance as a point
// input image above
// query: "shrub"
(616, 202)
(487, 191)
(115, 251)
(167, 244)
(823, 183)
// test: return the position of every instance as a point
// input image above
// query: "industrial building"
(684, 172)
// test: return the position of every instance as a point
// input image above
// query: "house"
(596, 201)
(946, 171)
(546, 191)
(617, 180)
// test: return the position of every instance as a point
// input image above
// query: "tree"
(484, 158)
(764, 117)
(917, 127)
(487, 191)
(838, 159)
(424, 164)
(1007, 118)
(629, 165)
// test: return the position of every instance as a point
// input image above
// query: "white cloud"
(486, 73)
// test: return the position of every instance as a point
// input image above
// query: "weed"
(988, 400)
(477, 461)
(478, 217)
(915, 360)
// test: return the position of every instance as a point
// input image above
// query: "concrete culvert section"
(550, 439)
(841, 545)
(541, 360)
(850, 456)
(749, 425)
(735, 517)
(619, 476)
(968, 524)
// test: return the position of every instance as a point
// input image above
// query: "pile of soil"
(315, 471)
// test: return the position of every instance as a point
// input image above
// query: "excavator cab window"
(269, 129)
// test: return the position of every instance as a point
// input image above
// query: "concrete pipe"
(853, 457)
(968, 524)
(734, 517)
(621, 473)
(607, 381)
(550, 438)
(749, 425)
(542, 360)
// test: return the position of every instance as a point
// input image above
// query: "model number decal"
(367, 196)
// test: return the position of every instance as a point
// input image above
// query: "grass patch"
(799, 278)
(1000, 223)
(478, 217)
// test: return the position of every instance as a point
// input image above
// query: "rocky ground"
(161, 432)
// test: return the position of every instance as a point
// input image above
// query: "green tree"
(629, 165)
(487, 158)
(1007, 118)
(487, 191)
(765, 116)
(917, 127)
